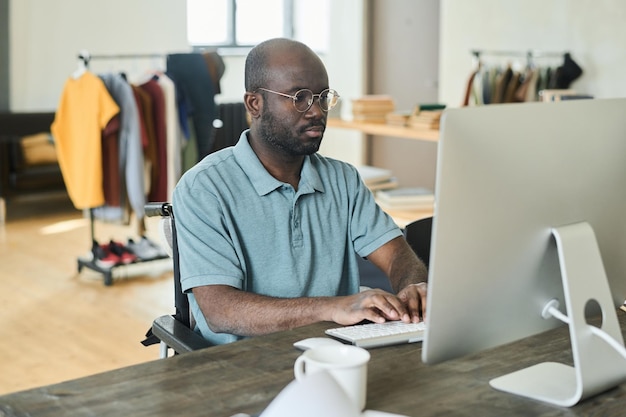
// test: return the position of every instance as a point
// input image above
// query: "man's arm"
(230, 310)
(407, 273)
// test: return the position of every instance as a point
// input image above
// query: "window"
(244, 23)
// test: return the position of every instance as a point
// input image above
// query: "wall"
(46, 36)
(592, 31)
(408, 71)
(347, 71)
(4, 51)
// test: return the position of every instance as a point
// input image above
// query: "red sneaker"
(125, 255)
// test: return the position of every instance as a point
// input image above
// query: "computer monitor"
(521, 191)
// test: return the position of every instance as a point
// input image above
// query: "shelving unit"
(381, 129)
(401, 217)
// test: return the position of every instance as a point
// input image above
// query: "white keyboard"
(380, 334)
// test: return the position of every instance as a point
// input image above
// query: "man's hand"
(407, 275)
(374, 305)
(414, 298)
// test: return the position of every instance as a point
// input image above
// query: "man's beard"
(273, 131)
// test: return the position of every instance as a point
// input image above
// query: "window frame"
(231, 46)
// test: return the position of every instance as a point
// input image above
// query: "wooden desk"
(383, 129)
(245, 377)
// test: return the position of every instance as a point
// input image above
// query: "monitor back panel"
(507, 174)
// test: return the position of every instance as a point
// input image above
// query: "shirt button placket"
(296, 229)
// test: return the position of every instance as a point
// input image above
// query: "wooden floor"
(57, 324)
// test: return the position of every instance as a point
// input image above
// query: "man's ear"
(253, 104)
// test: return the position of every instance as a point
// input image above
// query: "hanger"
(83, 63)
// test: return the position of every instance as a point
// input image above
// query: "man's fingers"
(390, 306)
(414, 297)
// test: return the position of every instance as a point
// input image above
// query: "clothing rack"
(107, 272)
(518, 80)
(198, 77)
(530, 55)
(85, 58)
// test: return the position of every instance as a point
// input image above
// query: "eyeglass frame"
(294, 97)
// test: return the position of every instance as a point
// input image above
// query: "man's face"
(281, 125)
(290, 131)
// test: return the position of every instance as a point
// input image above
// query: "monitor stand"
(598, 366)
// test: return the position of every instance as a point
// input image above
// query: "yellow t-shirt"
(84, 110)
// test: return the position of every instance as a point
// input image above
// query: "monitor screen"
(506, 176)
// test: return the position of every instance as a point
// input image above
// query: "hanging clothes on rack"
(158, 188)
(567, 72)
(191, 72)
(144, 104)
(111, 174)
(121, 144)
(216, 67)
(84, 110)
(174, 136)
(160, 121)
(127, 185)
(516, 76)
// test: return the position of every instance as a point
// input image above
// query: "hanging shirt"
(131, 158)
(84, 109)
(158, 188)
(174, 134)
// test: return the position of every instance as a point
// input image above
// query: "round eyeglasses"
(303, 99)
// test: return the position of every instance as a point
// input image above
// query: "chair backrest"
(417, 235)
(168, 233)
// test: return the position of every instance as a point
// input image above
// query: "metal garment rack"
(530, 55)
(85, 57)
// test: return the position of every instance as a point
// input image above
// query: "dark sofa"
(17, 175)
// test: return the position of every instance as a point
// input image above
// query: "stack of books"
(406, 198)
(425, 119)
(372, 108)
(426, 116)
(377, 178)
(398, 118)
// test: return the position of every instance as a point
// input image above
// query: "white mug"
(345, 363)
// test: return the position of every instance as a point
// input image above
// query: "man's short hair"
(257, 73)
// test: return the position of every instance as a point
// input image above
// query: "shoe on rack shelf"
(162, 253)
(143, 249)
(103, 257)
(125, 255)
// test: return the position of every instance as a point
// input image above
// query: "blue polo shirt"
(239, 226)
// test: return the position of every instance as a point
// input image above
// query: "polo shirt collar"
(262, 181)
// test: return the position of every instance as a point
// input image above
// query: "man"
(268, 229)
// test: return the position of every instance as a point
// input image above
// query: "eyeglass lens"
(304, 99)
